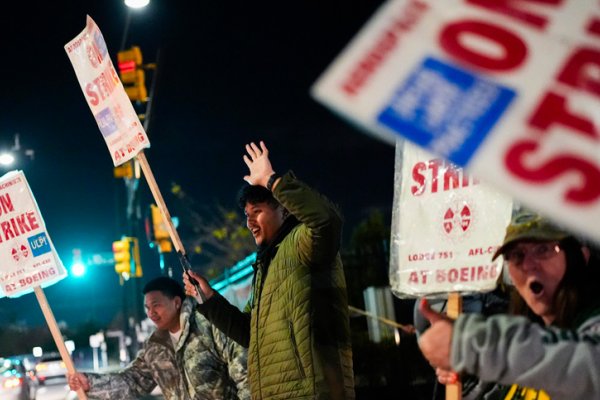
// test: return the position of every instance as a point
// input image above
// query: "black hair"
(577, 290)
(167, 286)
(254, 194)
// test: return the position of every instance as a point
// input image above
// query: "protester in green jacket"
(296, 321)
(187, 357)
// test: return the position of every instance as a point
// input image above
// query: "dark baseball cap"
(529, 225)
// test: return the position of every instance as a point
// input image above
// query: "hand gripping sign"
(506, 89)
(28, 260)
(118, 122)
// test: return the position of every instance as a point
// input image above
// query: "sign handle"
(56, 335)
(454, 308)
(160, 202)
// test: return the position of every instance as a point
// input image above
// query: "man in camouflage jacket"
(187, 357)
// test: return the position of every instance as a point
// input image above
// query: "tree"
(217, 235)
(366, 258)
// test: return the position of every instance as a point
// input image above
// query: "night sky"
(229, 72)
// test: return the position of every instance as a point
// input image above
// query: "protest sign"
(446, 225)
(28, 260)
(116, 118)
(118, 122)
(505, 89)
(27, 255)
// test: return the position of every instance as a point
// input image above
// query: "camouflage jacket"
(205, 364)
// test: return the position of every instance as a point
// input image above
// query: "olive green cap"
(528, 225)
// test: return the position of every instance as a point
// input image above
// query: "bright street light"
(137, 3)
(78, 269)
(6, 159)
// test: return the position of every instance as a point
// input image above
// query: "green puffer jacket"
(205, 365)
(298, 330)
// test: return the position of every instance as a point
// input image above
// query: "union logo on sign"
(457, 220)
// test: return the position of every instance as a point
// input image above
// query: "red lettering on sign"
(6, 204)
(552, 110)
(514, 49)
(388, 40)
(94, 98)
(584, 191)
(594, 27)
(466, 274)
(511, 9)
(18, 226)
(577, 73)
(452, 177)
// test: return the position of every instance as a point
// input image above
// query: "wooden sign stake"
(56, 335)
(454, 308)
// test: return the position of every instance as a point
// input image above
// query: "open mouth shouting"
(536, 287)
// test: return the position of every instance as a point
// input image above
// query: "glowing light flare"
(11, 383)
(137, 3)
(78, 269)
(6, 159)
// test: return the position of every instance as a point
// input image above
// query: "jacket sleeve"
(320, 218)
(510, 349)
(236, 358)
(228, 318)
(132, 382)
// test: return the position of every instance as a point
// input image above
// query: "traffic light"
(160, 232)
(122, 254)
(124, 170)
(137, 271)
(127, 258)
(132, 74)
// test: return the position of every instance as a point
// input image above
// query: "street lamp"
(137, 3)
(6, 159)
(131, 4)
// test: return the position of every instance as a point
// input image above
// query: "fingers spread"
(264, 148)
(256, 150)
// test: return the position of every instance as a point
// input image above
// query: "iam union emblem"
(20, 252)
(457, 220)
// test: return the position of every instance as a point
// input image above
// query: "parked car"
(50, 367)
(15, 382)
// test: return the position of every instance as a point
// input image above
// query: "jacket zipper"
(257, 299)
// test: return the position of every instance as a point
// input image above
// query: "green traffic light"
(78, 269)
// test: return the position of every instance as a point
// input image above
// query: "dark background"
(229, 72)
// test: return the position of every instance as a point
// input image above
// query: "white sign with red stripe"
(446, 226)
(118, 122)
(27, 255)
(509, 90)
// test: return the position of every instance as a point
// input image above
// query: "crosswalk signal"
(132, 74)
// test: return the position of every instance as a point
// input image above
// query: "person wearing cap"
(550, 347)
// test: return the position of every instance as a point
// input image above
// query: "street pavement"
(59, 390)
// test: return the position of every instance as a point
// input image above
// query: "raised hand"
(258, 163)
(435, 342)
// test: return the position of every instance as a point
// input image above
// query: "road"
(59, 390)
